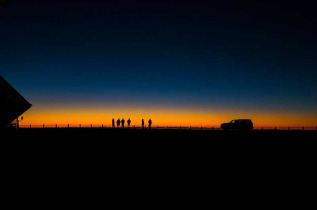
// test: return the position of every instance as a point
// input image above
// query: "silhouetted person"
(142, 123)
(118, 123)
(129, 122)
(150, 123)
(122, 122)
(113, 124)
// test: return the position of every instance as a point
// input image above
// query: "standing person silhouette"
(113, 124)
(129, 122)
(122, 122)
(150, 123)
(118, 122)
(142, 123)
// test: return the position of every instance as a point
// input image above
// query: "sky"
(177, 62)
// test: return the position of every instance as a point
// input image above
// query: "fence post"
(275, 128)
(213, 128)
(134, 126)
(90, 125)
(55, 125)
(262, 128)
(289, 128)
(102, 125)
(302, 128)
(43, 125)
(67, 125)
(79, 125)
(30, 126)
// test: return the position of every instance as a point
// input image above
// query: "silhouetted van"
(240, 124)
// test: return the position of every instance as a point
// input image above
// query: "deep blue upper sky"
(253, 55)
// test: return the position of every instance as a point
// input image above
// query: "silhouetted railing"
(31, 126)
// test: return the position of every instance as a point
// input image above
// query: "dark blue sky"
(252, 55)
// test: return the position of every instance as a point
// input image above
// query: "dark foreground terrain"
(157, 141)
(159, 158)
(204, 147)
(106, 134)
(145, 145)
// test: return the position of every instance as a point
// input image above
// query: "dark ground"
(97, 141)
(169, 149)
(164, 135)
(159, 142)
(159, 160)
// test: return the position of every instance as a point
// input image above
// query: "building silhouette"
(12, 103)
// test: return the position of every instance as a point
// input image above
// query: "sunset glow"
(179, 63)
(161, 117)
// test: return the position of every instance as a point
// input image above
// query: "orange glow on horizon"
(160, 117)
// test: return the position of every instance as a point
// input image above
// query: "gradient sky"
(177, 62)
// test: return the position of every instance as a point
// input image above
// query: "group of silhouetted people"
(120, 123)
